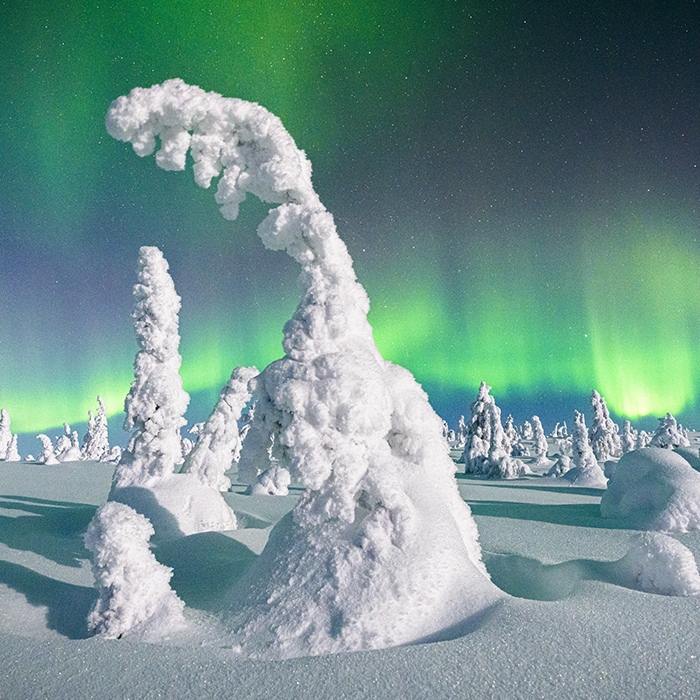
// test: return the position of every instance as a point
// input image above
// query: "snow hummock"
(134, 590)
(654, 489)
(380, 549)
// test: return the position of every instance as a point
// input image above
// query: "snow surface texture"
(654, 489)
(218, 442)
(134, 591)
(176, 504)
(380, 549)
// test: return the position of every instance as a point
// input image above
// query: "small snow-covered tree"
(218, 442)
(585, 470)
(47, 454)
(12, 453)
(356, 432)
(668, 434)
(478, 431)
(67, 447)
(134, 588)
(527, 431)
(605, 441)
(628, 438)
(156, 402)
(539, 439)
(5, 432)
(643, 439)
(499, 463)
(96, 440)
(272, 482)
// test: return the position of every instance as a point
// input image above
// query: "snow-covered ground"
(572, 626)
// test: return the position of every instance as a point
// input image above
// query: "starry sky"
(517, 182)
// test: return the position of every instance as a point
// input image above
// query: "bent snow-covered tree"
(369, 557)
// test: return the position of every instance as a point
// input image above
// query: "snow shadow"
(205, 566)
(54, 530)
(575, 514)
(67, 605)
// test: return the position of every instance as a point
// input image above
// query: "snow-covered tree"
(12, 453)
(218, 442)
(585, 470)
(156, 402)
(643, 439)
(47, 455)
(539, 439)
(67, 447)
(96, 440)
(134, 588)
(499, 463)
(605, 441)
(668, 434)
(5, 432)
(478, 431)
(145, 479)
(628, 438)
(367, 565)
(527, 431)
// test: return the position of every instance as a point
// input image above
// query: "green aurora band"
(534, 308)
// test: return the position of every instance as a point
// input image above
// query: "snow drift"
(654, 489)
(380, 549)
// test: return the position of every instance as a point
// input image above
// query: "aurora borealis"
(517, 183)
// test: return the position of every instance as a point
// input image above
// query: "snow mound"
(177, 505)
(659, 564)
(654, 489)
(272, 482)
(134, 589)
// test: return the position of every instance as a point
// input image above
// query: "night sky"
(517, 182)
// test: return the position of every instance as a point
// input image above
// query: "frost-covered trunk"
(370, 556)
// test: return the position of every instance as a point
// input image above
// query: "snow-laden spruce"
(655, 489)
(499, 463)
(477, 438)
(669, 434)
(628, 438)
(134, 588)
(604, 438)
(539, 442)
(96, 440)
(585, 470)
(380, 549)
(5, 433)
(218, 442)
(144, 479)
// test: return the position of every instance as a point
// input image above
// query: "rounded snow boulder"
(654, 489)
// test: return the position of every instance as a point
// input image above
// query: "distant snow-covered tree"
(12, 453)
(356, 432)
(539, 439)
(643, 439)
(218, 442)
(478, 431)
(668, 435)
(527, 430)
(134, 588)
(67, 448)
(585, 470)
(628, 438)
(47, 455)
(499, 463)
(272, 482)
(156, 402)
(605, 441)
(96, 440)
(5, 432)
